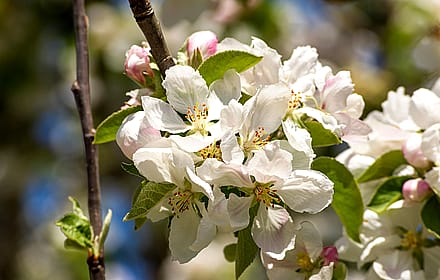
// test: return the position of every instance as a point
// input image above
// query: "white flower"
(189, 233)
(395, 242)
(304, 261)
(268, 178)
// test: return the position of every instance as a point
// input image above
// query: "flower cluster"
(398, 235)
(228, 147)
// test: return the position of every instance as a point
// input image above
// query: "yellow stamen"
(180, 201)
(211, 151)
(198, 117)
(259, 139)
(304, 262)
(295, 100)
(265, 194)
(410, 241)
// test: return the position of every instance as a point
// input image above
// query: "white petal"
(185, 88)
(227, 88)
(306, 191)
(394, 266)
(160, 211)
(198, 185)
(431, 143)
(378, 247)
(231, 117)
(431, 259)
(302, 62)
(183, 233)
(310, 239)
(162, 116)
(298, 138)
(238, 209)
(273, 231)
(205, 233)
(336, 91)
(134, 133)
(218, 173)
(192, 143)
(424, 108)
(231, 151)
(270, 107)
(270, 161)
(325, 273)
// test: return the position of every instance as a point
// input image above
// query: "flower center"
(265, 194)
(409, 241)
(304, 262)
(180, 201)
(211, 151)
(295, 100)
(259, 139)
(197, 116)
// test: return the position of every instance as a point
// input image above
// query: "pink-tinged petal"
(134, 133)
(336, 91)
(273, 231)
(183, 233)
(416, 190)
(413, 153)
(221, 174)
(395, 265)
(185, 88)
(137, 64)
(306, 191)
(204, 41)
(162, 116)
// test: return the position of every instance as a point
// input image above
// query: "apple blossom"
(412, 151)
(137, 64)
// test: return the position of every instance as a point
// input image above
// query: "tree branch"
(81, 92)
(149, 24)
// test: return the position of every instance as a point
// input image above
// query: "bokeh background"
(385, 44)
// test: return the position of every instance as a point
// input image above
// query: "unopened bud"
(330, 255)
(204, 41)
(137, 64)
(416, 190)
(413, 153)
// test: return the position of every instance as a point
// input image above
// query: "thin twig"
(81, 92)
(149, 24)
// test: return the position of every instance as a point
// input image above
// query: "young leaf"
(246, 249)
(321, 137)
(339, 271)
(131, 169)
(107, 129)
(430, 215)
(76, 227)
(387, 193)
(229, 252)
(215, 66)
(347, 200)
(147, 196)
(384, 166)
(105, 229)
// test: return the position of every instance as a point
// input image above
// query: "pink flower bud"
(330, 255)
(205, 41)
(413, 153)
(416, 190)
(137, 64)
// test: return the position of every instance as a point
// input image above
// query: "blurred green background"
(383, 43)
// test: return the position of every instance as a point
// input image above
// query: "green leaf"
(387, 193)
(131, 169)
(321, 137)
(430, 215)
(347, 200)
(105, 229)
(147, 196)
(139, 222)
(246, 249)
(229, 251)
(76, 227)
(107, 129)
(339, 271)
(214, 67)
(384, 166)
